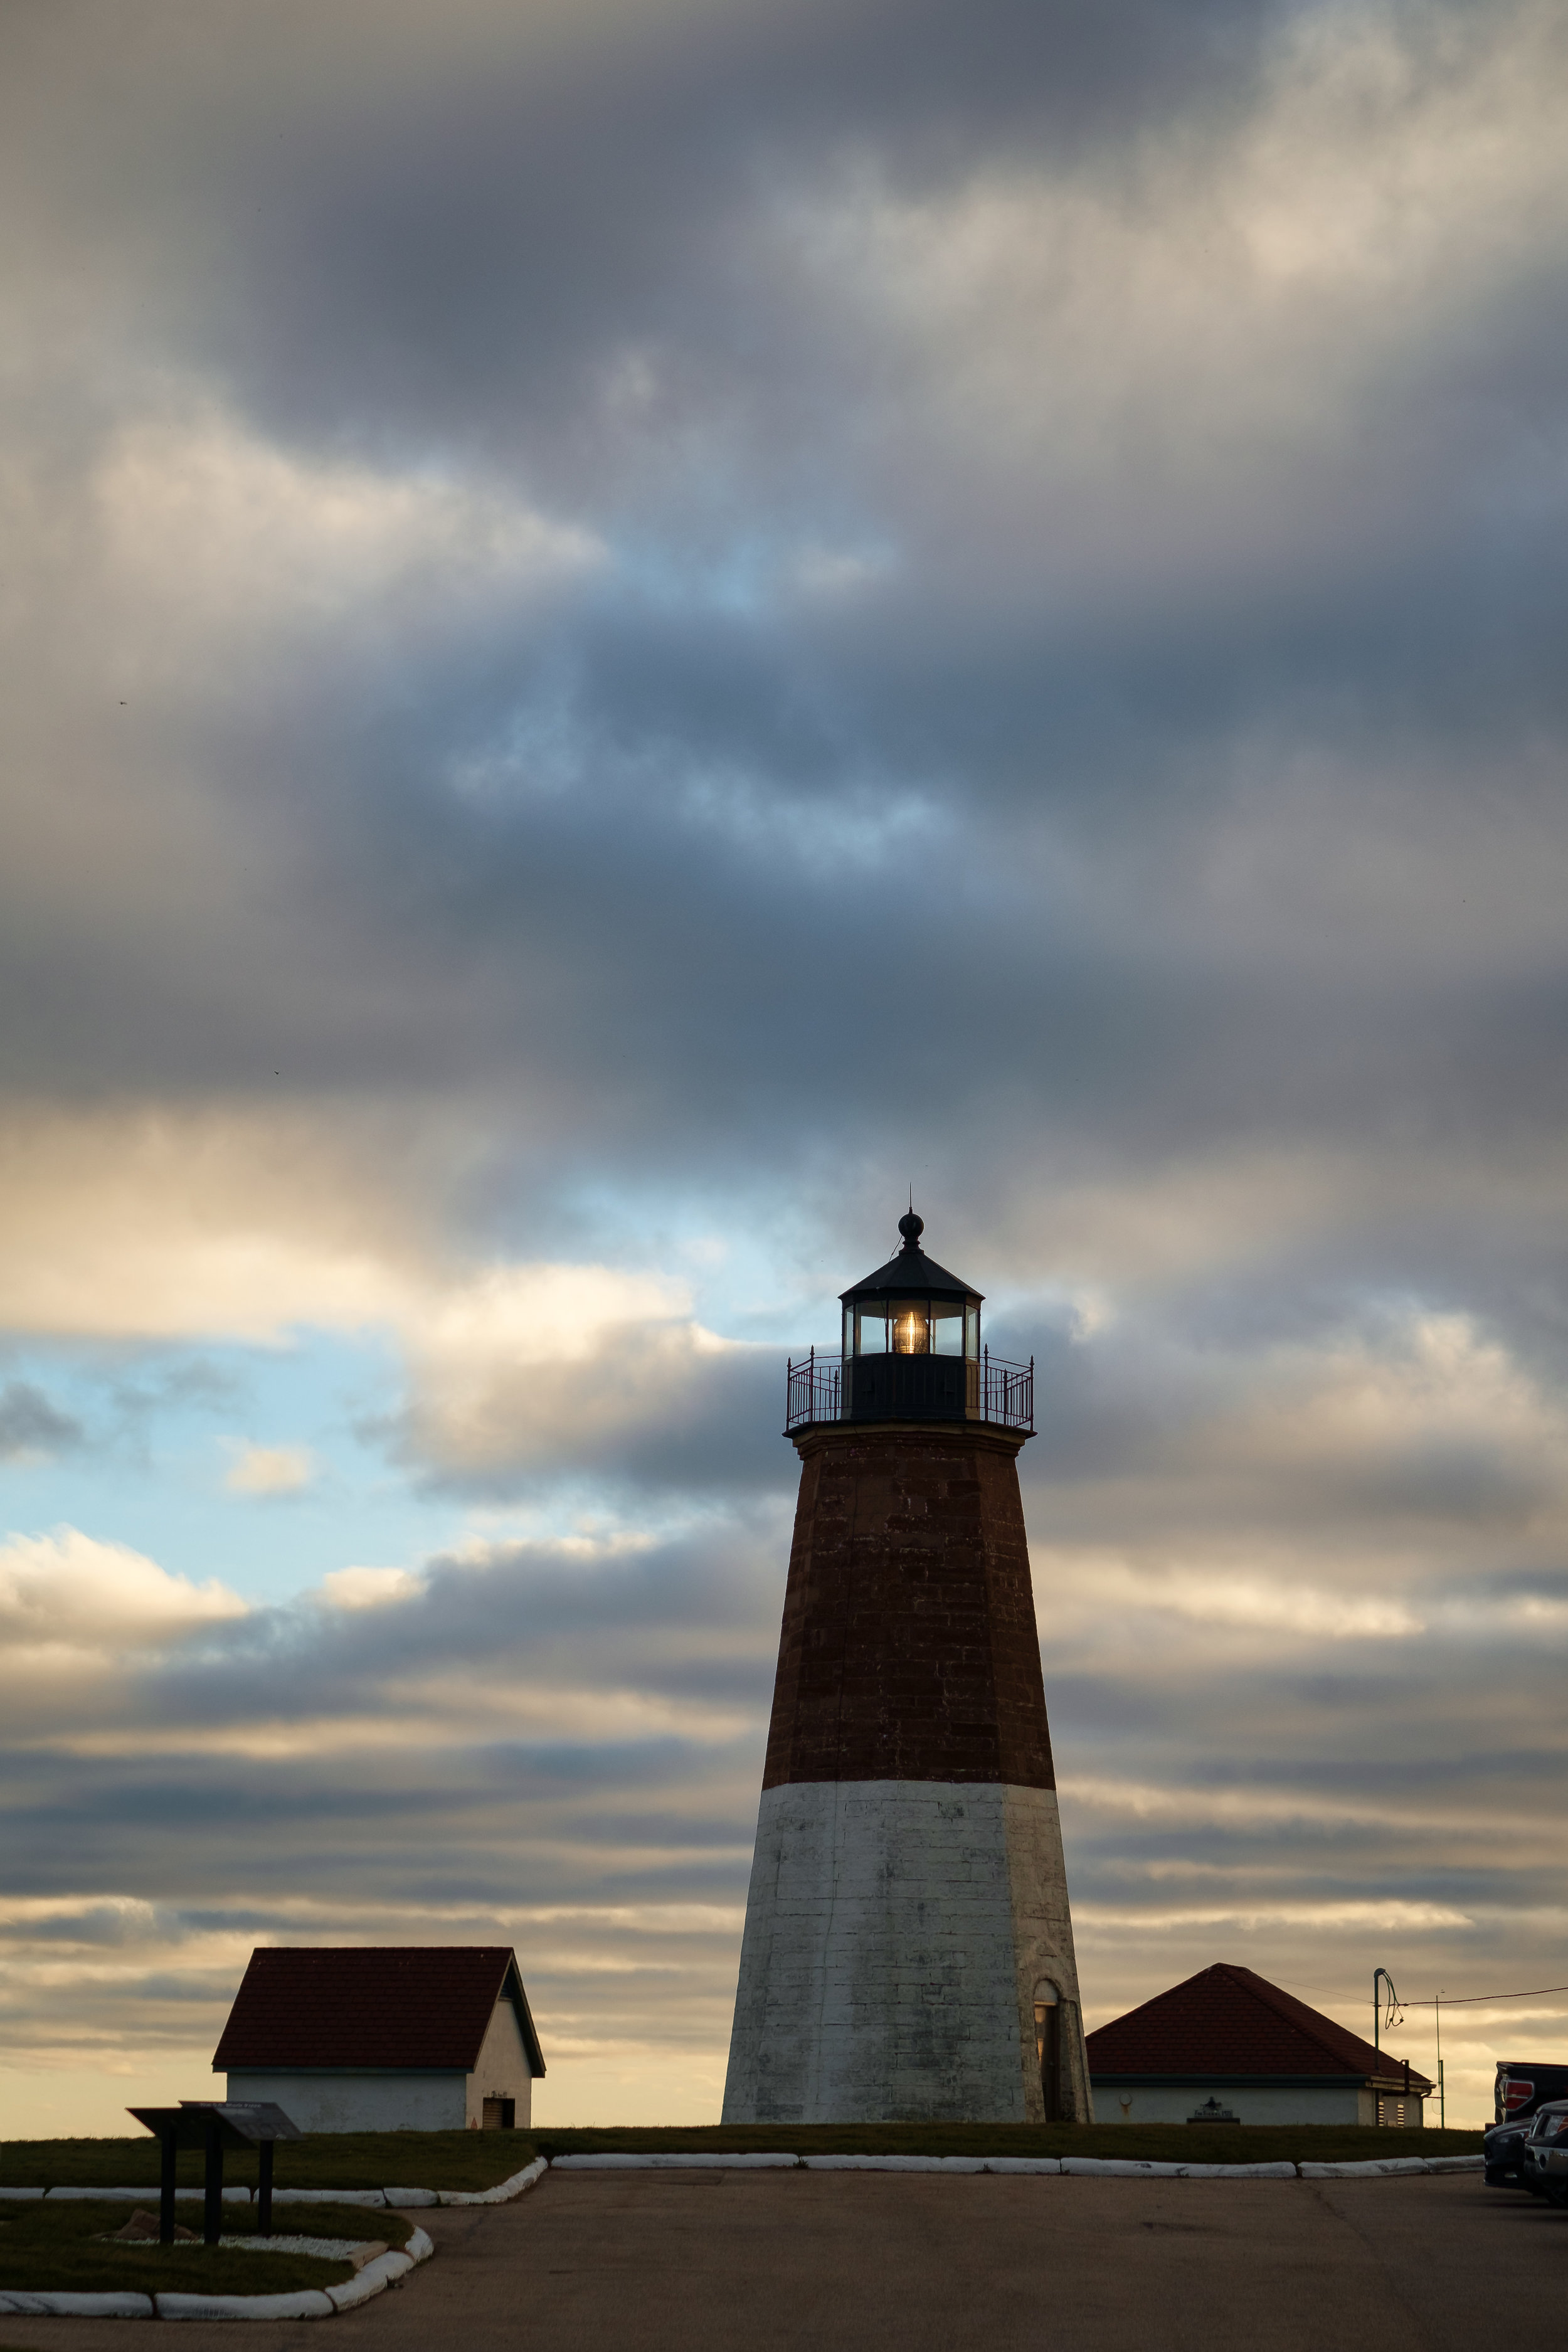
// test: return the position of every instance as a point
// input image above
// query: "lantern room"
(911, 1352)
(911, 1339)
(912, 1306)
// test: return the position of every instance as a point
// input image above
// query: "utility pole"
(1442, 2102)
(1382, 1975)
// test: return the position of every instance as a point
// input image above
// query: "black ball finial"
(911, 1227)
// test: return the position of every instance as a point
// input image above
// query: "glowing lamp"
(911, 1341)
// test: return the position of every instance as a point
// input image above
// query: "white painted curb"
(59, 2303)
(320, 2196)
(1120, 2168)
(1372, 2167)
(673, 2163)
(1281, 2171)
(1088, 2167)
(305, 2302)
(503, 2194)
(895, 2164)
(308, 2303)
(1023, 2164)
(369, 2280)
(125, 2196)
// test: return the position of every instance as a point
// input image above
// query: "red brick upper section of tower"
(908, 1650)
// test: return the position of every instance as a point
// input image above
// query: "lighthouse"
(907, 1951)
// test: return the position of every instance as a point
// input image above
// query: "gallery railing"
(996, 1390)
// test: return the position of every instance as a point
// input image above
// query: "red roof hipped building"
(416, 2037)
(1228, 2041)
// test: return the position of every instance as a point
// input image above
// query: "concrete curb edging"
(16, 2303)
(405, 2199)
(674, 2163)
(501, 2194)
(1101, 2167)
(322, 2196)
(304, 2302)
(126, 2196)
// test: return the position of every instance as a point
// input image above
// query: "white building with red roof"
(416, 2037)
(1226, 2046)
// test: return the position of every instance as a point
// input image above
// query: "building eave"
(512, 1990)
(239, 2067)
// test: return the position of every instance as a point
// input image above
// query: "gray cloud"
(562, 1745)
(30, 1424)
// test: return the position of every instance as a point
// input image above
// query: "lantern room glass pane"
(910, 1327)
(946, 1326)
(870, 1332)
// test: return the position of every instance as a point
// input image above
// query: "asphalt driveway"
(769, 2262)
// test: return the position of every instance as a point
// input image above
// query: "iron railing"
(1000, 1391)
(814, 1391)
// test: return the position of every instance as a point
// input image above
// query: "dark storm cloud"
(30, 1424)
(709, 813)
(384, 227)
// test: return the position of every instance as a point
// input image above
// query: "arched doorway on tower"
(1048, 2048)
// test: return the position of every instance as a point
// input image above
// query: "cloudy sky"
(623, 629)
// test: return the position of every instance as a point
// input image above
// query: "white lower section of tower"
(898, 1935)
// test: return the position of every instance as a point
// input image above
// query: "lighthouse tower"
(907, 1951)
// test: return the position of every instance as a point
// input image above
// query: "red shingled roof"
(1229, 2020)
(372, 2005)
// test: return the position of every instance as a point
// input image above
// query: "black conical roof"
(910, 1269)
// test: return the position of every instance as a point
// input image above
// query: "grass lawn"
(1167, 2143)
(47, 2245)
(452, 2159)
(463, 2160)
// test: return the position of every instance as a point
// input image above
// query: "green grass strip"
(463, 2160)
(1162, 2143)
(450, 2160)
(47, 2246)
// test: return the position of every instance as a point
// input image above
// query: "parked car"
(1522, 2090)
(1548, 2137)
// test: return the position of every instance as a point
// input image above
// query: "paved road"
(878, 2263)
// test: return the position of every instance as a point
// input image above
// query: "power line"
(1468, 1999)
(1460, 2000)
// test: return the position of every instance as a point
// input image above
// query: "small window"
(500, 2115)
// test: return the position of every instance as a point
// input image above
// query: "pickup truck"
(1522, 2089)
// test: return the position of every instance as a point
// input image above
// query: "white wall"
(503, 2070)
(895, 1934)
(360, 2102)
(1173, 2104)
